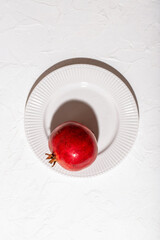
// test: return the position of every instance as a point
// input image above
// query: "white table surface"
(37, 203)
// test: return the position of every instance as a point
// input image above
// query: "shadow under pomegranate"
(75, 110)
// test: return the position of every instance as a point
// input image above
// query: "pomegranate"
(73, 146)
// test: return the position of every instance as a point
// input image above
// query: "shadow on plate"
(90, 61)
(78, 111)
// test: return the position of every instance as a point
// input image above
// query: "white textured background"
(35, 202)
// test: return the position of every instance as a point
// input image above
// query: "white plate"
(90, 95)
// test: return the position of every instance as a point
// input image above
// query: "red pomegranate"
(73, 146)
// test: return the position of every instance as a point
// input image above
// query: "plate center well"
(87, 104)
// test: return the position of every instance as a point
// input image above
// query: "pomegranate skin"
(73, 145)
